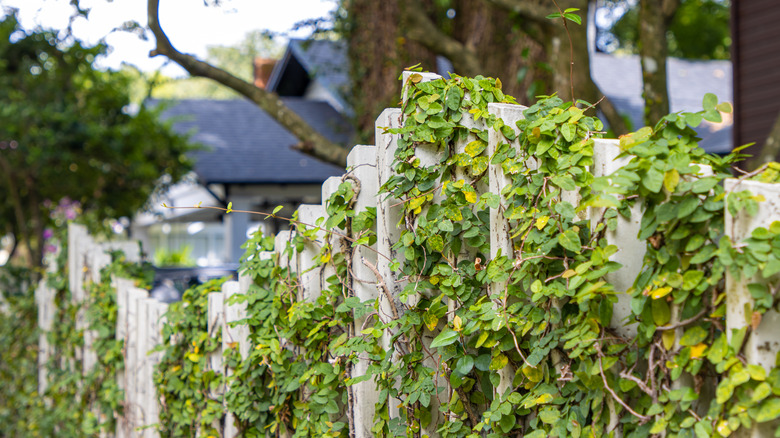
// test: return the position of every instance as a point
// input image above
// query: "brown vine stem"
(382, 285)
(290, 220)
(571, 53)
(642, 418)
(683, 322)
(749, 174)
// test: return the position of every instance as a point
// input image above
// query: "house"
(756, 55)
(620, 79)
(248, 161)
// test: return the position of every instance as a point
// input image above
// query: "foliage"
(77, 402)
(523, 342)
(69, 131)
(163, 257)
(190, 392)
(19, 400)
(699, 30)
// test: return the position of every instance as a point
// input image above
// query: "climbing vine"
(76, 402)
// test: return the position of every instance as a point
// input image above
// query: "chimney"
(263, 68)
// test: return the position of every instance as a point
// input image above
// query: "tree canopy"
(70, 131)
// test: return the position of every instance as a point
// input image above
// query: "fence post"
(500, 242)
(233, 337)
(44, 297)
(150, 322)
(631, 250)
(362, 164)
(133, 414)
(388, 217)
(309, 269)
(762, 344)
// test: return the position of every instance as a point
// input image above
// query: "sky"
(190, 25)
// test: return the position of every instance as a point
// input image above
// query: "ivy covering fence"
(484, 270)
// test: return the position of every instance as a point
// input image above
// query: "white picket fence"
(140, 317)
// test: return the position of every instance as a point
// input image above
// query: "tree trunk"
(770, 151)
(654, 17)
(378, 50)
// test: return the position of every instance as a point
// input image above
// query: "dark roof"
(620, 78)
(246, 146)
(325, 60)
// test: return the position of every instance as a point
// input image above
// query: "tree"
(69, 131)
(513, 40)
(693, 29)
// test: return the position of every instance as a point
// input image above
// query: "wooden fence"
(140, 317)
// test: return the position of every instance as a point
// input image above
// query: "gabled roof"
(246, 146)
(305, 60)
(620, 78)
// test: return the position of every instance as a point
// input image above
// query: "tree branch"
(421, 29)
(311, 142)
(530, 10)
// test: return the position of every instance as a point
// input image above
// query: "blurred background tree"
(70, 131)
(509, 39)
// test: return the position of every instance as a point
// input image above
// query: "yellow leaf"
(457, 323)
(415, 203)
(697, 350)
(534, 374)
(482, 338)
(325, 258)
(671, 178)
(668, 339)
(661, 292)
(541, 222)
(471, 196)
(569, 273)
(193, 357)
(434, 280)
(544, 398)
(723, 428)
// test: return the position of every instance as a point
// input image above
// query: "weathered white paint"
(362, 162)
(762, 344)
(500, 243)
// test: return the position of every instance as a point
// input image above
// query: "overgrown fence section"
(399, 328)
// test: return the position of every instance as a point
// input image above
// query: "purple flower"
(70, 214)
(49, 249)
(48, 233)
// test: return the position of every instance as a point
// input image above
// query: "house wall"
(756, 56)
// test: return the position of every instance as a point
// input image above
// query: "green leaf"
(704, 254)
(573, 17)
(709, 102)
(691, 279)
(549, 415)
(277, 209)
(464, 364)
(448, 336)
(693, 336)
(768, 411)
(475, 147)
(661, 312)
(653, 180)
(436, 243)
(568, 131)
(499, 362)
(570, 240)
